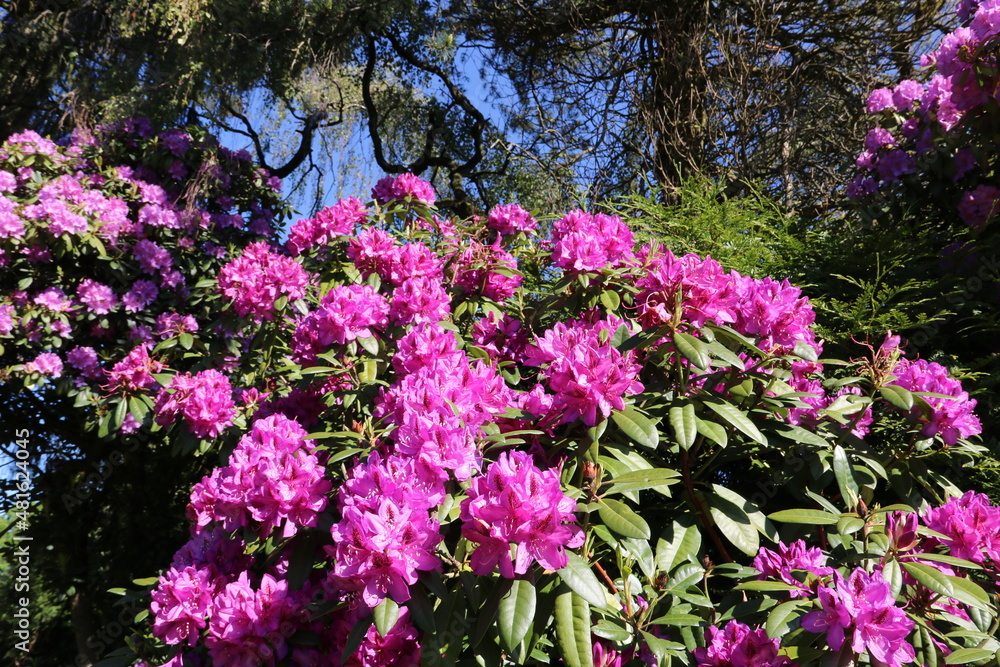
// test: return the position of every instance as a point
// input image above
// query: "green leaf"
(137, 408)
(845, 477)
(962, 590)
(816, 517)
(799, 434)
(643, 479)
(735, 417)
(572, 616)
(893, 576)
(120, 411)
(146, 581)
(386, 615)
(757, 518)
(714, 432)
(370, 344)
(618, 517)
(685, 425)
(897, 396)
(611, 301)
(517, 611)
(768, 586)
(676, 545)
(781, 617)
(724, 353)
(679, 620)
(692, 349)
(579, 576)
(421, 610)
(734, 524)
(964, 656)
(637, 426)
(186, 340)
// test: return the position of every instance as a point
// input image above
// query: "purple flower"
(517, 504)
(739, 646)
(405, 187)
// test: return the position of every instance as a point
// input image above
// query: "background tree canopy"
(585, 96)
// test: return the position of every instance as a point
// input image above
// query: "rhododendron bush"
(469, 442)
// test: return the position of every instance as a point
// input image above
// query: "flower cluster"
(345, 314)
(515, 503)
(405, 187)
(951, 418)
(588, 376)
(204, 399)
(863, 604)
(737, 644)
(586, 242)
(274, 478)
(331, 222)
(258, 278)
(970, 526)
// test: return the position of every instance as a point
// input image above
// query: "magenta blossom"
(517, 504)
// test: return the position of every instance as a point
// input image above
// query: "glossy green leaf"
(734, 524)
(815, 517)
(580, 577)
(572, 616)
(893, 576)
(517, 611)
(679, 620)
(685, 425)
(610, 299)
(386, 615)
(370, 345)
(964, 656)
(714, 432)
(637, 480)
(757, 518)
(962, 590)
(618, 517)
(676, 545)
(736, 418)
(637, 426)
(692, 349)
(845, 477)
(781, 617)
(897, 396)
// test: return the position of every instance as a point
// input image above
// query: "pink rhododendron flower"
(510, 219)
(789, 557)
(590, 242)
(181, 603)
(47, 364)
(971, 524)
(333, 221)
(738, 645)
(274, 478)
(863, 603)
(138, 298)
(386, 534)
(515, 503)
(345, 313)
(134, 373)
(258, 278)
(205, 400)
(403, 187)
(951, 418)
(588, 376)
(99, 298)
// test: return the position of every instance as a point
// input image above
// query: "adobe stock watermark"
(21, 561)
(102, 470)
